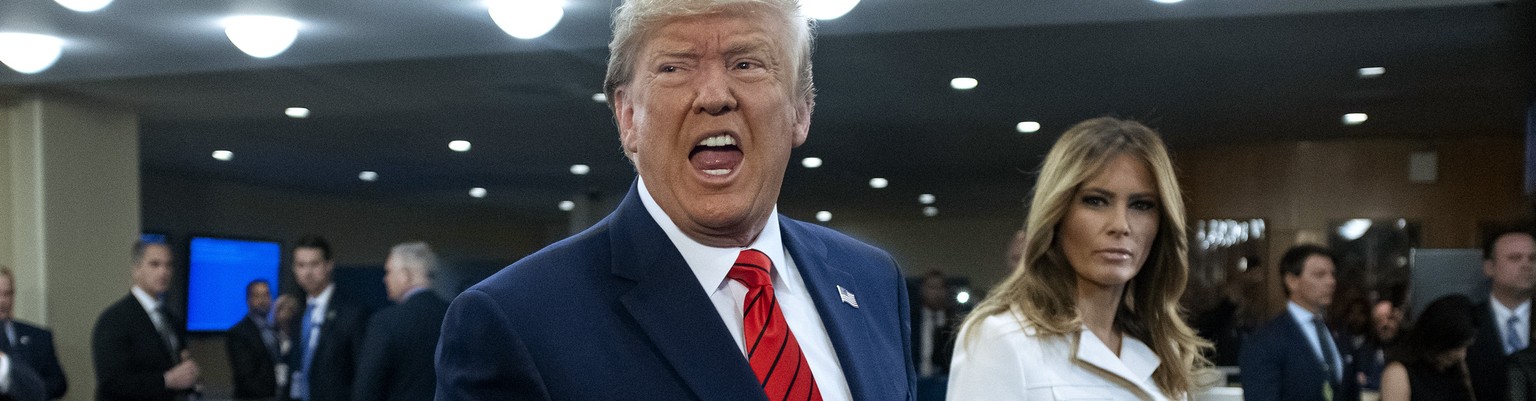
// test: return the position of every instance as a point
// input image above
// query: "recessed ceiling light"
(600, 97)
(369, 176)
(526, 19)
(878, 183)
(459, 145)
(1168, 1)
(926, 199)
(1355, 118)
(261, 36)
(823, 216)
(29, 53)
(963, 83)
(811, 162)
(827, 9)
(930, 211)
(567, 205)
(223, 155)
(477, 192)
(1027, 127)
(580, 169)
(84, 6)
(297, 112)
(1371, 72)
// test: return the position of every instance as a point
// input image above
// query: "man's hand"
(183, 376)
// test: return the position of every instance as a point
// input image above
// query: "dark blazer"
(1486, 361)
(400, 345)
(1278, 364)
(26, 385)
(130, 357)
(944, 338)
(34, 346)
(335, 361)
(252, 364)
(1522, 375)
(615, 313)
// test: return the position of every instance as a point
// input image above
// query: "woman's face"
(1111, 223)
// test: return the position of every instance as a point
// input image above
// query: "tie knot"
(752, 268)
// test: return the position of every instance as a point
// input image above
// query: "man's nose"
(714, 95)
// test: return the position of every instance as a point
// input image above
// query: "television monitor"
(218, 271)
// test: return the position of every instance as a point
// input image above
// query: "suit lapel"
(147, 325)
(674, 312)
(847, 326)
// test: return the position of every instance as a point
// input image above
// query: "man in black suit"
(1295, 356)
(330, 329)
(138, 345)
(934, 322)
(255, 358)
(28, 344)
(1504, 320)
(402, 338)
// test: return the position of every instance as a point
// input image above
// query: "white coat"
(1007, 360)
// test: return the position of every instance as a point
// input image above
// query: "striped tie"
(771, 347)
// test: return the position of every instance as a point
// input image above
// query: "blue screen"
(219, 270)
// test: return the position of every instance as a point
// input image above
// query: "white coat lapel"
(1134, 365)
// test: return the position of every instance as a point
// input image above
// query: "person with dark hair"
(1504, 319)
(331, 329)
(255, 355)
(28, 344)
(1295, 356)
(1429, 364)
(1370, 353)
(138, 345)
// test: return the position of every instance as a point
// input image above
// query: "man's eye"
(667, 68)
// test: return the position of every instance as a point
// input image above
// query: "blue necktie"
(301, 386)
(1512, 336)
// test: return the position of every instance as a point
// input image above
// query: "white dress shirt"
(932, 320)
(1304, 320)
(710, 265)
(1501, 314)
(1009, 360)
(317, 313)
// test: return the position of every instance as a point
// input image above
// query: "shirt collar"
(711, 264)
(320, 301)
(1302, 315)
(1503, 313)
(411, 293)
(149, 302)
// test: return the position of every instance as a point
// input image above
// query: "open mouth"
(716, 155)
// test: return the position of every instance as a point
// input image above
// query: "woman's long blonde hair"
(1043, 287)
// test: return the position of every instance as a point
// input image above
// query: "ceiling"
(390, 83)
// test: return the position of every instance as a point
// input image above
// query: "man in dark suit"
(1504, 320)
(18, 382)
(330, 328)
(139, 345)
(255, 358)
(28, 344)
(1295, 357)
(695, 288)
(401, 339)
(935, 319)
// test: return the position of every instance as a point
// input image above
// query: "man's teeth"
(718, 140)
(718, 171)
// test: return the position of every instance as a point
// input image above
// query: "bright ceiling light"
(1371, 72)
(261, 36)
(526, 19)
(963, 83)
(823, 216)
(580, 169)
(878, 183)
(963, 297)
(459, 145)
(567, 205)
(369, 176)
(477, 192)
(1355, 118)
(827, 9)
(1027, 127)
(223, 155)
(1168, 1)
(600, 97)
(811, 162)
(84, 6)
(297, 112)
(926, 199)
(930, 211)
(1354, 228)
(29, 53)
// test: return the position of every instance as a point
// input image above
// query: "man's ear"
(624, 116)
(803, 122)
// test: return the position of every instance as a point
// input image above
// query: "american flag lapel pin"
(847, 297)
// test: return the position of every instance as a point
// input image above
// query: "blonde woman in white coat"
(1091, 311)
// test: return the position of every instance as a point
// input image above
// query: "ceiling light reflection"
(261, 36)
(526, 19)
(29, 53)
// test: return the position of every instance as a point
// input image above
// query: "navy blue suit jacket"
(615, 313)
(34, 346)
(1277, 363)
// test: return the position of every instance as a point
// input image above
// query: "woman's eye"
(1143, 205)
(1095, 201)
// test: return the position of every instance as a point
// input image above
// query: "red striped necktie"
(771, 348)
